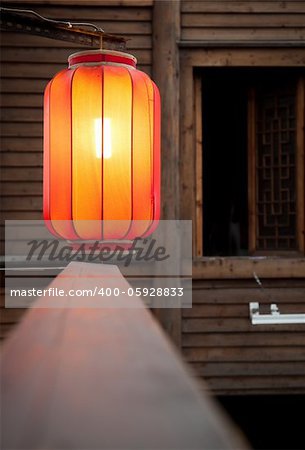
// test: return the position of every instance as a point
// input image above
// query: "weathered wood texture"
(243, 268)
(28, 63)
(101, 377)
(242, 21)
(166, 33)
(70, 3)
(217, 336)
(235, 357)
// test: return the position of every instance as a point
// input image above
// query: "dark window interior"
(269, 422)
(225, 94)
(224, 163)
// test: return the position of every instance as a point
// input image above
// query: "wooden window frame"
(192, 59)
(252, 188)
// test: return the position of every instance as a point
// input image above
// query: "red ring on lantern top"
(102, 57)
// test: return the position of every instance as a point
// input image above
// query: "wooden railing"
(83, 373)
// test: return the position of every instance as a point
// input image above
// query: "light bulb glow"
(98, 137)
(107, 139)
(107, 147)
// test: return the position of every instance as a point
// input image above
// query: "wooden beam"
(166, 33)
(22, 23)
(198, 167)
(166, 75)
(99, 3)
(255, 57)
(188, 153)
(300, 163)
(236, 267)
(98, 372)
(228, 44)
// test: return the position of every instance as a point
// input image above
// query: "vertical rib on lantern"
(101, 149)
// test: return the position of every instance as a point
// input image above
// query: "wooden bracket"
(17, 22)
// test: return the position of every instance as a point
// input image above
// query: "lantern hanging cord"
(58, 22)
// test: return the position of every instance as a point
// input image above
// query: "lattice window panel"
(276, 169)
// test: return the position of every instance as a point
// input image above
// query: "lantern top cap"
(102, 57)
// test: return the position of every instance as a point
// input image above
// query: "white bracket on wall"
(275, 317)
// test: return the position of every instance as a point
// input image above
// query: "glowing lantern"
(101, 149)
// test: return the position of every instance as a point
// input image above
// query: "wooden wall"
(28, 63)
(242, 20)
(216, 335)
(235, 357)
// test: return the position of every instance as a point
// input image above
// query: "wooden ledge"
(243, 267)
(101, 378)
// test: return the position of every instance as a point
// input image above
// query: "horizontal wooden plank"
(242, 6)
(246, 34)
(241, 369)
(235, 268)
(54, 55)
(21, 100)
(39, 71)
(23, 86)
(5, 330)
(147, 68)
(120, 27)
(238, 310)
(21, 174)
(29, 203)
(235, 285)
(204, 56)
(293, 354)
(21, 188)
(21, 114)
(254, 391)
(244, 295)
(230, 325)
(260, 339)
(16, 144)
(243, 283)
(11, 315)
(96, 13)
(276, 383)
(34, 70)
(198, 20)
(218, 310)
(9, 159)
(22, 215)
(125, 28)
(100, 3)
(56, 361)
(21, 129)
(12, 39)
(9, 39)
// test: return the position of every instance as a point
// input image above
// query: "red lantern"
(101, 149)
